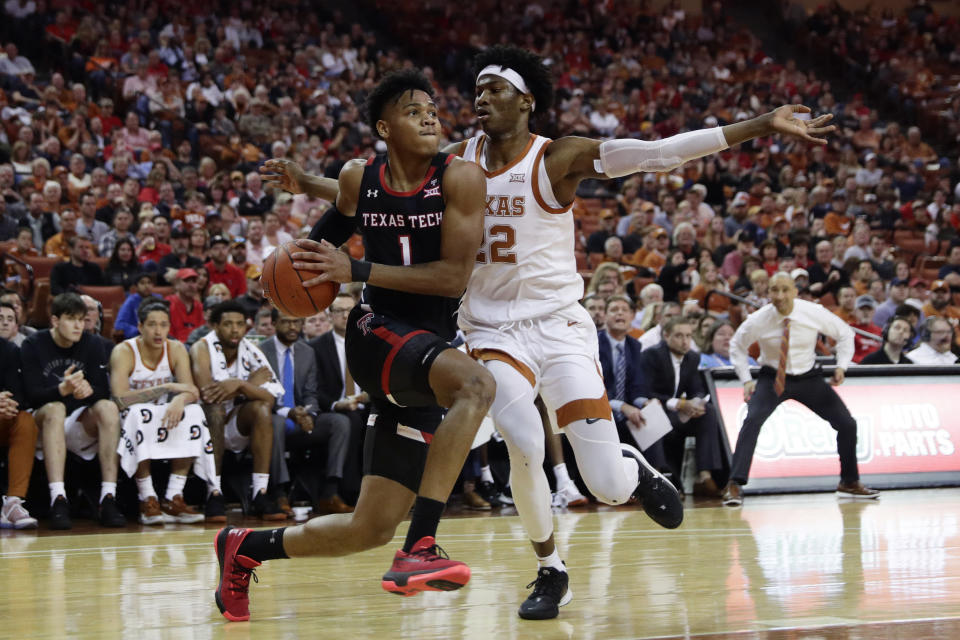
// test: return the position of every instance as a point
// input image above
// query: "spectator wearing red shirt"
(222, 271)
(862, 346)
(150, 249)
(186, 311)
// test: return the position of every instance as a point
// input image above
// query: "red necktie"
(780, 381)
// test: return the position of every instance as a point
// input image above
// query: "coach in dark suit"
(669, 373)
(304, 424)
(336, 392)
(620, 362)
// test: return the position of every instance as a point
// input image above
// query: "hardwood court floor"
(782, 567)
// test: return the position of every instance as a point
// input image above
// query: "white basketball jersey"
(526, 267)
(143, 377)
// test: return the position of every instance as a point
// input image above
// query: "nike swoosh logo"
(570, 323)
(592, 420)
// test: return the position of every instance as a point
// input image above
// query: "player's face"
(69, 327)
(155, 329)
(410, 123)
(231, 329)
(497, 103)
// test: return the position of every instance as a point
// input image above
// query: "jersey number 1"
(503, 239)
(405, 253)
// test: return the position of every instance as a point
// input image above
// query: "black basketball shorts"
(397, 442)
(391, 360)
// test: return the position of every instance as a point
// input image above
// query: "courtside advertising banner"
(908, 431)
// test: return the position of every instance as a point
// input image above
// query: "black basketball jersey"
(403, 228)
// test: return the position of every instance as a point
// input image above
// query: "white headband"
(510, 76)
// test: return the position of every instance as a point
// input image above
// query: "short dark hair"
(392, 87)
(675, 321)
(68, 304)
(906, 310)
(619, 298)
(529, 65)
(151, 304)
(9, 305)
(227, 306)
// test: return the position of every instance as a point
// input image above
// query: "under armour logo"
(435, 191)
(372, 193)
(518, 177)
(433, 182)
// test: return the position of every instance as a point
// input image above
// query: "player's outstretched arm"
(573, 159)
(465, 189)
(281, 173)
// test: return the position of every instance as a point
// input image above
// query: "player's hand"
(71, 377)
(633, 415)
(839, 375)
(260, 377)
(82, 390)
(174, 413)
(282, 174)
(748, 388)
(333, 264)
(784, 122)
(220, 391)
(363, 397)
(8, 406)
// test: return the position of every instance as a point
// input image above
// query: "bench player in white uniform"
(151, 381)
(520, 312)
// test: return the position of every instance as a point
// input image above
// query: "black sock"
(426, 517)
(263, 545)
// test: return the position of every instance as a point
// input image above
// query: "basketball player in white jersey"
(151, 382)
(521, 314)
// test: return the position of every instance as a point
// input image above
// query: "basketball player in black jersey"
(421, 216)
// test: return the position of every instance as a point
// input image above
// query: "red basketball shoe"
(426, 568)
(235, 573)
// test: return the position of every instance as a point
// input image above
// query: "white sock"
(260, 482)
(553, 560)
(145, 488)
(560, 473)
(485, 474)
(213, 486)
(57, 489)
(175, 486)
(108, 488)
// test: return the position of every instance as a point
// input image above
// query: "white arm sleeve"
(620, 158)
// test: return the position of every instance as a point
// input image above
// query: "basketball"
(283, 285)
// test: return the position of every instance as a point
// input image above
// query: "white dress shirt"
(807, 320)
(341, 346)
(925, 354)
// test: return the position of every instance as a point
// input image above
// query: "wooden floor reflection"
(782, 567)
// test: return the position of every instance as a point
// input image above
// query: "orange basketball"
(283, 285)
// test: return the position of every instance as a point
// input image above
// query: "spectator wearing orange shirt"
(837, 222)
(846, 304)
(710, 281)
(863, 276)
(58, 245)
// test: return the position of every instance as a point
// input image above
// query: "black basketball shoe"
(488, 491)
(215, 509)
(550, 592)
(60, 514)
(661, 500)
(110, 515)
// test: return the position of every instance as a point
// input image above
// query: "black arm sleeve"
(334, 227)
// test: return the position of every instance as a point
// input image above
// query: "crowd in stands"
(130, 142)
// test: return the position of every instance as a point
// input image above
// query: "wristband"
(360, 270)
